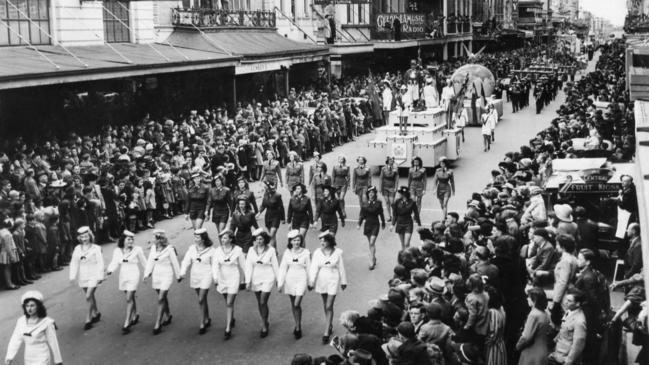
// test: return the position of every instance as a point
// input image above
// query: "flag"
(484, 98)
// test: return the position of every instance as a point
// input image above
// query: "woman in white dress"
(87, 267)
(163, 266)
(37, 331)
(261, 273)
(326, 273)
(128, 258)
(200, 256)
(292, 279)
(228, 267)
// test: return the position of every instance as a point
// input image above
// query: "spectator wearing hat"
(87, 268)
(544, 260)
(370, 213)
(417, 180)
(128, 258)
(435, 289)
(199, 257)
(404, 209)
(228, 264)
(536, 210)
(162, 265)
(564, 223)
(292, 278)
(261, 274)
(300, 211)
(242, 222)
(196, 205)
(326, 274)
(328, 210)
(37, 331)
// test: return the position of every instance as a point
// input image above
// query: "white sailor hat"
(324, 234)
(158, 231)
(83, 229)
(128, 233)
(31, 294)
(257, 232)
(292, 234)
(200, 231)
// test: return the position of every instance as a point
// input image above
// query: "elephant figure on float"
(478, 76)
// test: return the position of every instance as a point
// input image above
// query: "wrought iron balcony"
(221, 19)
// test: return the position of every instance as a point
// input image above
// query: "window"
(36, 10)
(116, 31)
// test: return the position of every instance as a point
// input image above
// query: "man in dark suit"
(633, 256)
(588, 233)
(412, 351)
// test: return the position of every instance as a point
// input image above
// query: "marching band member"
(371, 211)
(128, 258)
(228, 266)
(326, 273)
(163, 266)
(293, 276)
(37, 331)
(261, 273)
(87, 267)
(199, 257)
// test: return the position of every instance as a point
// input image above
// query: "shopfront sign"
(590, 188)
(251, 68)
(596, 175)
(411, 23)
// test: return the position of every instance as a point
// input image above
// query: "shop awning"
(22, 66)
(249, 44)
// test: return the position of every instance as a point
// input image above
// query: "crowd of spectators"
(514, 281)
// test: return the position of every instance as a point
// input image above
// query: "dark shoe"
(297, 334)
(157, 331)
(12, 287)
(208, 323)
(227, 335)
(325, 339)
(126, 329)
(87, 326)
(58, 268)
(202, 330)
(263, 333)
(135, 320)
(167, 321)
(96, 318)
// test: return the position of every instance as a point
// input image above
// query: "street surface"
(180, 343)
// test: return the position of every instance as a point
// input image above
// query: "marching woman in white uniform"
(163, 266)
(228, 270)
(200, 256)
(37, 331)
(128, 258)
(87, 267)
(326, 273)
(261, 273)
(292, 279)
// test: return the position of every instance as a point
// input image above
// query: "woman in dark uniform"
(274, 206)
(361, 179)
(243, 189)
(444, 183)
(371, 212)
(417, 181)
(294, 171)
(341, 177)
(326, 210)
(388, 183)
(403, 211)
(242, 222)
(196, 207)
(300, 212)
(219, 204)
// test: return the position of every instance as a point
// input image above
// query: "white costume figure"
(201, 276)
(87, 265)
(228, 268)
(293, 272)
(431, 97)
(261, 269)
(129, 267)
(163, 266)
(447, 94)
(327, 273)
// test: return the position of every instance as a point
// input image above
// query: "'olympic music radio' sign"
(410, 22)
